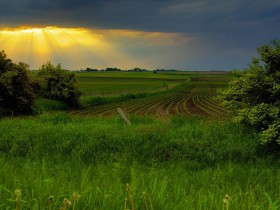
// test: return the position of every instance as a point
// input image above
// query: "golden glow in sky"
(40, 44)
(75, 48)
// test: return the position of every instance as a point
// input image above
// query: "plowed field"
(194, 98)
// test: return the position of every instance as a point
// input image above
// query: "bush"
(16, 93)
(254, 94)
(56, 83)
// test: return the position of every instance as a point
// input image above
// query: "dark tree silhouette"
(16, 93)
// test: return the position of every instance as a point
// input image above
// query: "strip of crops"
(191, 99)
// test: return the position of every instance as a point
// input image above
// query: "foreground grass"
(249, 186)
(178, 163)
(203, 142)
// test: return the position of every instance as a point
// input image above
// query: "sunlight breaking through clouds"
(81, 47)
(36, 45)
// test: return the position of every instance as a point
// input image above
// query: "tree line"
(19, 87)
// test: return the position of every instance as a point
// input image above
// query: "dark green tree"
(254, 94)
(56, 83)
(16, 93)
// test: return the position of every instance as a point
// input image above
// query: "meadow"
(180, 93)
(158, 162)
(112, 83)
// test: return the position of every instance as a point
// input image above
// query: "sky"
(151, 34)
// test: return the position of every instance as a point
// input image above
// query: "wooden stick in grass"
(120, 111)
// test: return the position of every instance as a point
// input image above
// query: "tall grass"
(103, 186)
(202, 143)
(179, 164)
(42, 104)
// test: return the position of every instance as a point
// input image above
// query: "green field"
(193, 95)
(180, 163)
(109, 83)
(182, 149)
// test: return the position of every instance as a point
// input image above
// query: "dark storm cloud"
(218, 27)
(152, 15)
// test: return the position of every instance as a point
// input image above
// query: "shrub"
(254, 94)
(16, 93)
(56, 83)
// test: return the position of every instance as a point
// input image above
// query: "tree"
(254, 94)
(16, 93)
(56, 83)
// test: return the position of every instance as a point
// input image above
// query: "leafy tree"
(56, 83)
(16, 93)
(254, 94)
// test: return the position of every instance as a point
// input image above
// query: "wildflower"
(66, 202)
(75, 196)
(50, 198)
(226, 198)
(18, 194)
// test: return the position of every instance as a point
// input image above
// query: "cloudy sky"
(177, 34)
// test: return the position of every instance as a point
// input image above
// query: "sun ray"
(36, 45)
(81, 47)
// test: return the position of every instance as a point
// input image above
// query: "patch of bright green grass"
(112, 83)
(179, 163)
(90, 140)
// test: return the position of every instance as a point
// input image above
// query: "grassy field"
(193, 96)
(180, 163)
(112, 83)
(184, 160)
